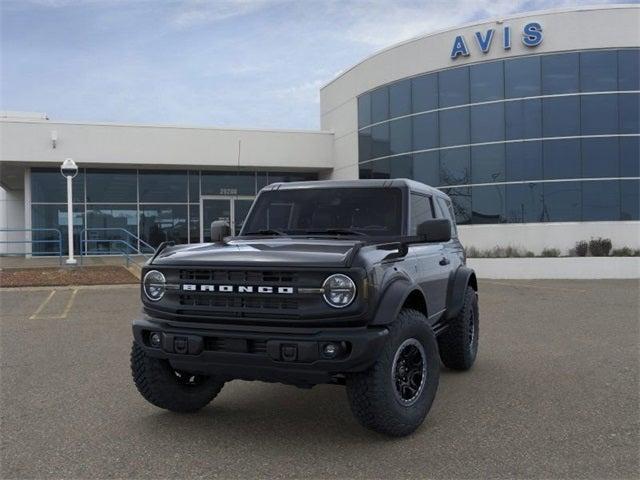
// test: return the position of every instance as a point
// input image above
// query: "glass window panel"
(425, 131)
(599, 114)
(453, 86)
(629, 69)
(523, 119)
(114, 218)
(630, 156)
(163, 186)
(401, 167)
(523, 161)
(365, 147)
(630, 198)
(629, 113)
(424, 93)
(262, 180)
(194, 223)
(400, 133)
(364, 110)
(380, 168)
(522, 77)
(163, 223)
(400, 98)
(454, 166)
(53, 216)
(229, 183)
(454, 127)
(421, 211)
(524, 203)
(426, 168)
(112, 186)
(380, 104)
(487, 204)
(461, 202)
(446, 211)
(561, 116)
(49, 186)
(561, 159)
(194, 186)
(562, 201)
(600, 157)
(487, 123)
(487, 81)
(380, 141)
(560, 73)
(281, 177)
(600, 200)
(599, 71)
(365, 172)
(487, 164)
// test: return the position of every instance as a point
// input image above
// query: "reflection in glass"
(560, 73)
(522, 77)
(365, 147)
(400, 135)
(487, 164)
(600, 200)
(629, 69)
(401, 167)
(630, 157)
(194, 186)
(113, 218)
(194, 223)
(629, 113)
(454, 127)
(379, 104)
(400, 99)
(523, 161)
(523, 119)
(163, 186)
(116, 186)
(453, 87)
(562, 201)
(461, 202)
(524, 203)
(598, 71)
(600, 157)
(163, 223)
(487, 81)
(426, 168)
(488, 204)
(54, 216)
(425, 131)
(599, 114)
(364, 110)
(487, 123)
(630, 199)
(380, 140)
(454, 166)
(49, 186)
(424, 93)
(561, 159)
(561, 116)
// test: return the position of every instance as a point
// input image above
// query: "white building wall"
(11, 217)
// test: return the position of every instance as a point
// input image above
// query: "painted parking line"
(37, 315)
(530, 285)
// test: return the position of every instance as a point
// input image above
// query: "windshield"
(328, 211)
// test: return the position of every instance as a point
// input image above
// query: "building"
(530, 124)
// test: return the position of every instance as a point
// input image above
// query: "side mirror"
(219, 230)
(436, 230)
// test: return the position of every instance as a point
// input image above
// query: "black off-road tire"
(373, 394)
(459, 342)
(163, 387)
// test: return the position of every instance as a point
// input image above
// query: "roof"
(365, 183)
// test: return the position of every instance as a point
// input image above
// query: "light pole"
(69, 169)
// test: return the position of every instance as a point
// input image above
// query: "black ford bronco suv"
(358, 283)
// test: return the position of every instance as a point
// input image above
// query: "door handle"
(444, 261)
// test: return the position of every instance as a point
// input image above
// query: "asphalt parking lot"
(554, 394)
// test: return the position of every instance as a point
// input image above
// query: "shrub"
(550, 252)
(600, 247)
(472, 252)
(625, 252)
(581, 248)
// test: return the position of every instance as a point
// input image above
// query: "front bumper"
(286, 355)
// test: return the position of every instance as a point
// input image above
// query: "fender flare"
(457, 286)
(392, 300)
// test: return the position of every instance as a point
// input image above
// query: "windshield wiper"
(335, 231)
(267, 231)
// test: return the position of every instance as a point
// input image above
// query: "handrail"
(32, 241)
(127, 255)
(119, 229)
(118, 241)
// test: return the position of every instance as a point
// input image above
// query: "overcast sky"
(246, 63)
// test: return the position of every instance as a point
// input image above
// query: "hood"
(281, 252)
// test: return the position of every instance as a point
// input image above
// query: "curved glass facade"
(544, 138)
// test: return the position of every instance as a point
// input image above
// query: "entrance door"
(232, 210)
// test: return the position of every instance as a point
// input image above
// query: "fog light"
(154, 339)
(330, 350)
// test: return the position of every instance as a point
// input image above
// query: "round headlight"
(153, 285)
(339, 290)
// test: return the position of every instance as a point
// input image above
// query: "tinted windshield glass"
(369, 211)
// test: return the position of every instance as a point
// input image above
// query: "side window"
(447, 212)
(421, 210)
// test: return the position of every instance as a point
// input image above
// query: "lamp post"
(69, 169)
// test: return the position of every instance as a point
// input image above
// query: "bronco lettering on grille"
(192, 287)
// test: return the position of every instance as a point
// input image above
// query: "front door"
(232, 210)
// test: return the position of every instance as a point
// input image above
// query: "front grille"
(222, 344)
(234, 302)
(258, 277)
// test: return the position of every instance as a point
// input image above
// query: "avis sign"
(531, 37)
